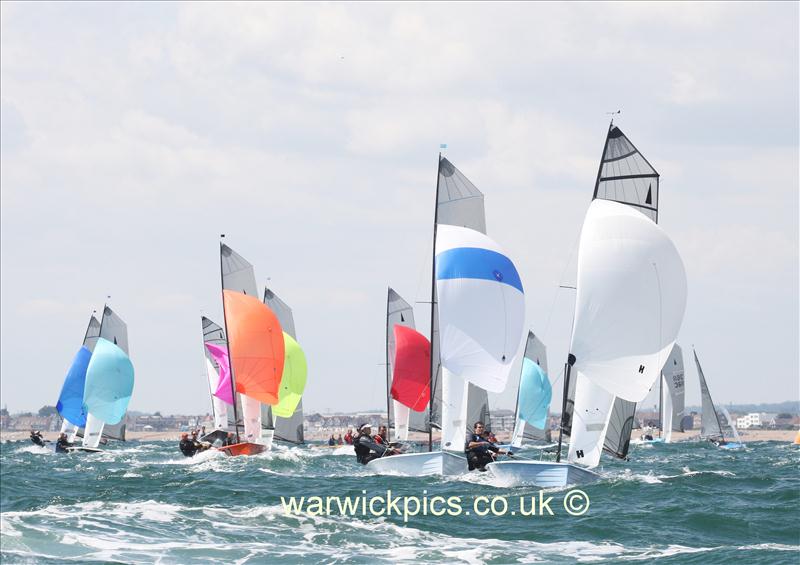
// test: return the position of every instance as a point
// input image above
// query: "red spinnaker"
(412, 368)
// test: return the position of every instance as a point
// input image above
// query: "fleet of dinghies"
(98, 386)
(256, 369)
(629, 306)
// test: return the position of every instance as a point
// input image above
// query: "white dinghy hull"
(541, 473)
(420, 464)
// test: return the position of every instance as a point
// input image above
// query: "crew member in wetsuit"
(187, 446)
(367, 449)
(62, 444)
(480, 451)
(36, 437)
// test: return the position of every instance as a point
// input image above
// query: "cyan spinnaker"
(535, 394)
(70, 401)
(109, 383)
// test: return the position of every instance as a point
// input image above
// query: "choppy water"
(144, 503)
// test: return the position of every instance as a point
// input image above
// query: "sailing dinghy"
(255, 350)
(713, 422)
(477, 318)
(630, 300)
(96, 392)
(70, 401)
(286, 417)
(533, 398)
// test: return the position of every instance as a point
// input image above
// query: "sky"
(308, 133)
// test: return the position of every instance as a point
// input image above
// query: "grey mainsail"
(286, 429)
(399, 312)
(237, 272)
(626, 176)
(92, 333)
(214, 334)
(711, 427)
(673, 379)
(620, 425)
(458, 203)
(535, 351)
(238, 275)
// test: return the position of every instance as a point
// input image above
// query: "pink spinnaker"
(224, 390)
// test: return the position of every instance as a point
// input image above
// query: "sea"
(144, 502)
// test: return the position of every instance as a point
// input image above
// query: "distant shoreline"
(748, 436)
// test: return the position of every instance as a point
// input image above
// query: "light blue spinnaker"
(109, 383)
(535, 394)
(70, 401)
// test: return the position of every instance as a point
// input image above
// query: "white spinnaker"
(593, 405)
(480, 319)
(630, 301)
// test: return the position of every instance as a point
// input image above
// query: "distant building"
(752, 420)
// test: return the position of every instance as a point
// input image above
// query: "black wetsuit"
(62, 445)
(367, 450)
(479, 456)
(37, 439)
(188, 447)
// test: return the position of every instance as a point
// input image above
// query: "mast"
(600, 166)
(660, 404)
(388, 376)
(567, 370)
(433, 305)
(228, 345)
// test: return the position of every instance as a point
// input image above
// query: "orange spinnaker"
(255, 339)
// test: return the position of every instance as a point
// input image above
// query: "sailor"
(366, 448)
(187, 446)
(382, 437)
(36, 437)
(479, 450)
(62, 444)
(348, 437)
(230, 439)
(331, 441)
